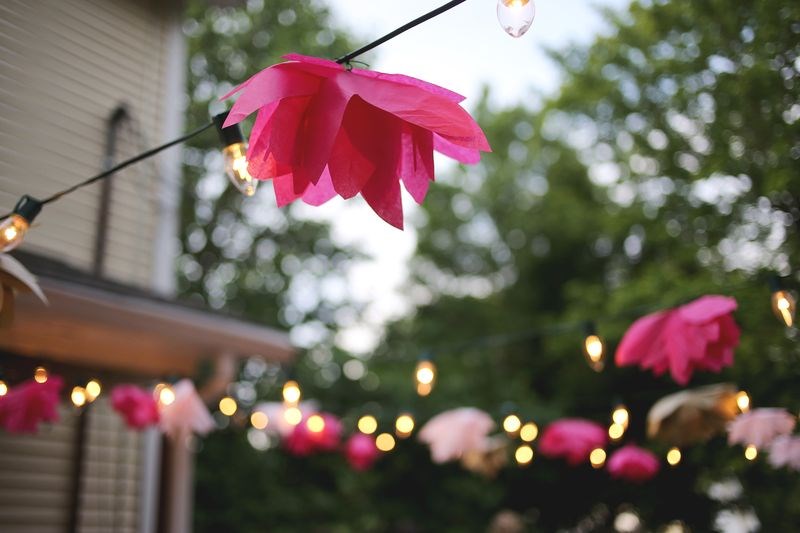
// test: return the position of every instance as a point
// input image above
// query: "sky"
(463, 50)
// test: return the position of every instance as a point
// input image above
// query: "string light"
(524, 455)
(234, 153)
(750, 453)
(593, 348)
(597, 458)
(259, 420)
(3, 388)
(291, 392)
(40, 374)
(616, 431)
(367, 424)
(743, 401)
(14, 227)
(78, 396)
(783, 303)
(511, 424)
(515, 16)
(227, 406)
(425, 376)
(164, 394)
(621, 416)
(529, 432)
(674, 456)
(385, 442)
(93, 389)
(293, 416)
(315, 424)
(404, 425)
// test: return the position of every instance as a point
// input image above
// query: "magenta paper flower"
(323, 129)
(453, 433)
(187, 414)
(28, 404)
(760, 427)
(785, 451)
(572, 439)
(634, 464)
(361, 452)
(299, 441)
(303, 441)
(137, 406)
(700, 335)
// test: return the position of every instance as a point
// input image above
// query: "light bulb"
(404, 425)
(594, 351)
(616, 431)
(293, 416)
(743, 401)
(674, 456)
(164, 394)
(315, 424)
(259, 420)
(621, 416)
(529, 432)
(524, 454)
(515, 16)
(78, 396)
(511, 424)
(425, 375)
(236, 168)
(227, 406)
(367, 424)
(750, 453)
(40, 375)
(3, 388)
(93, 389)
(291, 392)
(597, 458)
(783, 304)
(14, 227)
(385, 442)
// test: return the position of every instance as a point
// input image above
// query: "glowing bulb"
(616, 431)
(529, 432)
(674, 456)
(750, 453)
(93, 390)
(40, 375)
(512, 423)
(597, 458)
(164, 394)
(594, 351)
(621, 416)
(259, 420)
(515, 16)
(14, 227)
(743, 401)
(524, 454)
(404, 425)
(385, 442)
(3, 388)
(315, 424)
(425, 375)
(78, 396)
(367, 424)
(293, 416)
(783, 304)
(424, 389)
(227, 406)
(291, 392)
(236, 168)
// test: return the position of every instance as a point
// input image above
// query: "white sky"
(461, 50)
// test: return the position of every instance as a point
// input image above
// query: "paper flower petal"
(634, 464)
(187, 414)
(760, 427)
(452, 434)
(137, 406)
(572, 439)
(28, 404)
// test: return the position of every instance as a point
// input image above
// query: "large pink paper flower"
(299, 442)
(187, 414)
(573, 439)
(323, 130)
(760, 427)
(453, 433)
(28, 404)
(361, 452)
(785, 451)
(137, 406)
(634, 464)
(304, 440)
(700, 335)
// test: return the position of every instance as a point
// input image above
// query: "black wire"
(402, 29)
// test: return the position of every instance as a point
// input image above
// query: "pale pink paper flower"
(276, 411)
(760, 427)
(187, 414)
(28, 404)
(633, 464)
(785, 451)
(137, 406)
(361, 451)
(572, 439)
(453, 433)
(323, 129)
(700, 335)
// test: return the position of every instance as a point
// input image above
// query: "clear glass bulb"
(291, 392)
(12, 231)
(594, 351)
(516, 16)
(783, 304)
(236, 168)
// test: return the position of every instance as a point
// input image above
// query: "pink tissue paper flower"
(302, 441)
(187, 414)
(572, 439)
(700, 335)
(785, 451)
(28, 404)
(137, 406)
(760, 427)
(634, 464)
(323, 129)
(453, 433)
(299, 441)
(361, 451)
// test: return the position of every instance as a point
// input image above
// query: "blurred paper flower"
(692, 416)
(323, 129)
(28, 404)
(453, 433)
(137, 406)
(361, 452)
(329, 438)
(785, 451)
(634, 464)
(14, 277)
(299, 442)
(572, 439)
(276, 416)
(760, 427)
(488, 461)
(187, 414)
(700, 335)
